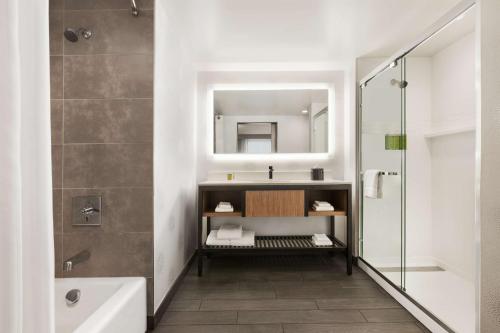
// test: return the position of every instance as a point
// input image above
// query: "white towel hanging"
(372, 184)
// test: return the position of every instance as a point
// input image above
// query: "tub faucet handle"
(89, 211)
(75, 260)
(67, 266)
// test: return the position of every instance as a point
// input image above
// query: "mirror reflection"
(271, 121)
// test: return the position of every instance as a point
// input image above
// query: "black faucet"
(271, 169)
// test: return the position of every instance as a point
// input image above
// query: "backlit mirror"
(271, 121)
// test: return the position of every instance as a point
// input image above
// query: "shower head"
(72, 34)
(134, 8)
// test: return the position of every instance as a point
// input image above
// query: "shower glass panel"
(382, 148)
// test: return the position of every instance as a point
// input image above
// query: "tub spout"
(76, 259)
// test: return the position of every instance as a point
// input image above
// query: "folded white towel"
(323, 208)
(213, 241)
(224, 210)
(321, 236)
(224, 207)
(372, 184)
(230, 231)
(323, 243)
(321, 240)
(248, 239)
(322, 203)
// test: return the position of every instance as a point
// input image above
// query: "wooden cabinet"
(281, 203)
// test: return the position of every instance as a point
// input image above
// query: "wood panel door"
(274, 203)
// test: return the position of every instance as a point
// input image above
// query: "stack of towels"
(224, 207)
(321, 240)
(231, 235)
(322, 206)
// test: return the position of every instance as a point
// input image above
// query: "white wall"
(453, 157)
(453, 71)
(419, 221)
(174, 148)
(488, 304)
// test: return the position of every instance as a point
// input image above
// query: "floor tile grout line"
(108, 143)
(364, 317)
(93, 99)
(104, 54)
(74, 10)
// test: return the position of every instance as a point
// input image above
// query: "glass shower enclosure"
(416, 163)
(382, 149)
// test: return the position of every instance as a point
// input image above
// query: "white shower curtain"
(26, 235)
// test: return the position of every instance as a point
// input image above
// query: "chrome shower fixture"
(72, 35)
(134, 8)
(400, 84)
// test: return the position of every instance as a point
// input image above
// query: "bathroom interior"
(339, 141)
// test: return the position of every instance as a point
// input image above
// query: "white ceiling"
(267, 102)
(307, 30)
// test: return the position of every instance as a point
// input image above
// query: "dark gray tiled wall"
(102, 135)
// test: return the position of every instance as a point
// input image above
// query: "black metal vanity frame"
(210, 194)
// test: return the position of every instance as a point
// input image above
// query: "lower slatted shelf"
(281, 242)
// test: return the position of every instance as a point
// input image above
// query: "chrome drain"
(72, 297)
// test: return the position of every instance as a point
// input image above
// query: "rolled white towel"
(229, 231)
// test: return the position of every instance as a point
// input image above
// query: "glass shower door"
(382, 151)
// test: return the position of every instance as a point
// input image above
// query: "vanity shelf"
(284, 200)
(221, 214)
(332, 213)
(272, 243)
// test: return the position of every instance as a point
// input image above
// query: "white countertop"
(275, 182)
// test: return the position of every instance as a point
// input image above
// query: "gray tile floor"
(301, 294)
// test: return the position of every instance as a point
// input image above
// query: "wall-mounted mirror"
(271, 121)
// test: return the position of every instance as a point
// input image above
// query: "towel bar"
(387, 173)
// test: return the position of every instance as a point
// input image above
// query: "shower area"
(416, 133)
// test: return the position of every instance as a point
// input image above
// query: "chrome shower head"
(72, 35)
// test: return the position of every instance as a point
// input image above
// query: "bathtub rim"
(107, 311)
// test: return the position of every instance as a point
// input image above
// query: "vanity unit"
(275, 199)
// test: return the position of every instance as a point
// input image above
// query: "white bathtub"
(110, 305)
